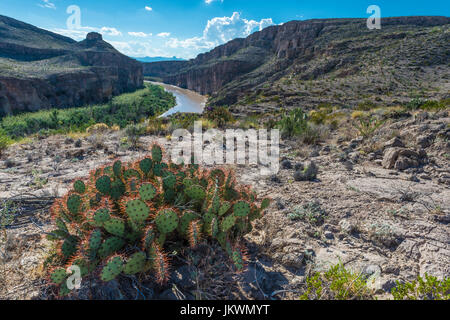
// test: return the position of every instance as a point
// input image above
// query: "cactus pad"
(228, 223)
(196, 193)
(137, 211)
(167, 221)
(146, 165)
(74, 203)
(109, 246)
(115, 226)
(135, 264)
(156, 153)
(112, 269)
(103, 184)
(58, 275)
(79, 187)
(147, 191)
(241, 209)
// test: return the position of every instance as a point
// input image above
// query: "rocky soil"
(384, 213)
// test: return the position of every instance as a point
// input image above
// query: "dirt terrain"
(384, 213)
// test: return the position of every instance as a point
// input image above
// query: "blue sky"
(185, 28)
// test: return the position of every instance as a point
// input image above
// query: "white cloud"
(148, 8)
(211, 1)
(139, 34)
(47, 4)
(81, 33)
(164, 34)
(219, 31)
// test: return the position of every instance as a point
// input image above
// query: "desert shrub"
(220, 115)
(124, 218)
(366, 106)
(133, 132)
(368, 125)
(98, 128)
(429, 288)
(296, 124)
(293, 123)
(4, 140)
(337, 283)
(156, 126)
(311, 212)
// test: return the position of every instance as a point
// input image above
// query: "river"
(187, 101)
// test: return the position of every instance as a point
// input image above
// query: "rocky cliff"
(272, 65)
(40, 70)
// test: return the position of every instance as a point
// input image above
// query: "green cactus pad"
(146, 165)
(156, 153)
(169, 181)
(137, 211)
(63, 290)
(228, 223)
(103, 184)
(58, 275)
(79, 187)
(117, 190)
(196, 193)
(101, 216)
(61, 225)
(225, 206)
(115, 226)
(117, 168)
(265, 204)
(147, 191)
(110, 246)
(215, 205)
(69, 247)
(74, 203)
(135, 264)
(112, 269)
(255, 213)
(241, 209)
(188, 183)
(167, 221)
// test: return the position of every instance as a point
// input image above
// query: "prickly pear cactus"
(120, 219)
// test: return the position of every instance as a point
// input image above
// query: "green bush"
(124, 218)
(337, 283)
(220, 115)
(293, 123)
(4, 140)
(429, 288)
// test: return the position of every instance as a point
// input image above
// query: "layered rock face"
(305, 49)
(56, 72)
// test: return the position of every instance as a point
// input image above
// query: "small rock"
(286, 164)
(299, 167)
(346, 226)
(328, 235)
(425, 141)
(314, 154)
(293, 260)
(394, 143)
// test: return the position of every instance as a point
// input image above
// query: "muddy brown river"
(187, 101)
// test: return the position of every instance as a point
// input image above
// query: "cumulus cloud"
(164, 34)
(148, 8)
(139, 34)
(220, 30)
(80, 33)
(47, 4)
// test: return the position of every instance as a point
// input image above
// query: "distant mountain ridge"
(337, 61)
(40, 69)
(158, 59)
